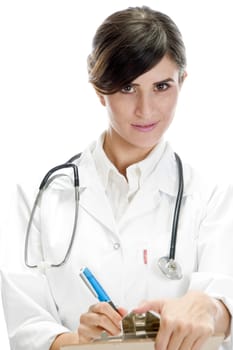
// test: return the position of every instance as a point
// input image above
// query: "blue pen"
(94, 286)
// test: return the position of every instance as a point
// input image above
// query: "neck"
(121, 153)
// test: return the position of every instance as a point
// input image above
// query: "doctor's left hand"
(188, 321)
(99, 318)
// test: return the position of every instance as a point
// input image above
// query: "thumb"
(123, 312)
(150, 305)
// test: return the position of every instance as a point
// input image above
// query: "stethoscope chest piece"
(170, 268)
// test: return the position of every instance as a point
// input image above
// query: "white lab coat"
(3, 330)
(38, 306)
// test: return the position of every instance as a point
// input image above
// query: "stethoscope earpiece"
(170, 268)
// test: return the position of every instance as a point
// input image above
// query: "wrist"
(64, 339)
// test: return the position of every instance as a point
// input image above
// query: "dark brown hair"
(129, 43)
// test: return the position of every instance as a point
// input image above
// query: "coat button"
(116, 245)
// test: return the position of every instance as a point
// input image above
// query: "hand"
(186, 322)
(100, 317)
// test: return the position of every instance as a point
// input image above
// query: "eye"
(128, 89)
(161, 86)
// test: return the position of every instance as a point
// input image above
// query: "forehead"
(165, 69)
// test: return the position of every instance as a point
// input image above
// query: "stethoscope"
(167, 264)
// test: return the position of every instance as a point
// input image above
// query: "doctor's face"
(141, 112)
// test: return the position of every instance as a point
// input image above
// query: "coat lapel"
(165, 179)
(92, 194)
(93, 200)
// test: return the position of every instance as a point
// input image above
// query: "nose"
(145, 106)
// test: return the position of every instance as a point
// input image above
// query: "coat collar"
(165, 177)
(138, 172)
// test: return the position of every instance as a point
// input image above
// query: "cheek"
(117, 112)
(169, 106)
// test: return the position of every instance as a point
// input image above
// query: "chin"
(147, 144)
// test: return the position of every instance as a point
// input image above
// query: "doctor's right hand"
(100, 318)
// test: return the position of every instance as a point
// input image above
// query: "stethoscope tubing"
(50, 176)
(177, 209)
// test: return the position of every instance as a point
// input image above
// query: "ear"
(183, 77)
(101, 98)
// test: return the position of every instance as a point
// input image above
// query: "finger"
(199, 342)
(123, 312)
(88, 328)
(164, 333)
(108, 325)
(179, 340)
(154, 305)
(196, 335)
(93, 324)
(105, 309)
(87, 334)
(188, 343)
(100, 317)
(186, 337)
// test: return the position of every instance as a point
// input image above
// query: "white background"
(48, 111)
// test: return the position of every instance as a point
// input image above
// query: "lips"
(144, 127)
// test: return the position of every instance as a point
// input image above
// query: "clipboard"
(138, 333)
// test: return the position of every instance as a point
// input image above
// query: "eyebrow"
(168, 80)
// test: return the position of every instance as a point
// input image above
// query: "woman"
(128, 189)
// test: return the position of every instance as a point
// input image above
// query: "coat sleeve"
(4, 335)
(215, 241)
(30, 311)
(31, 315)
